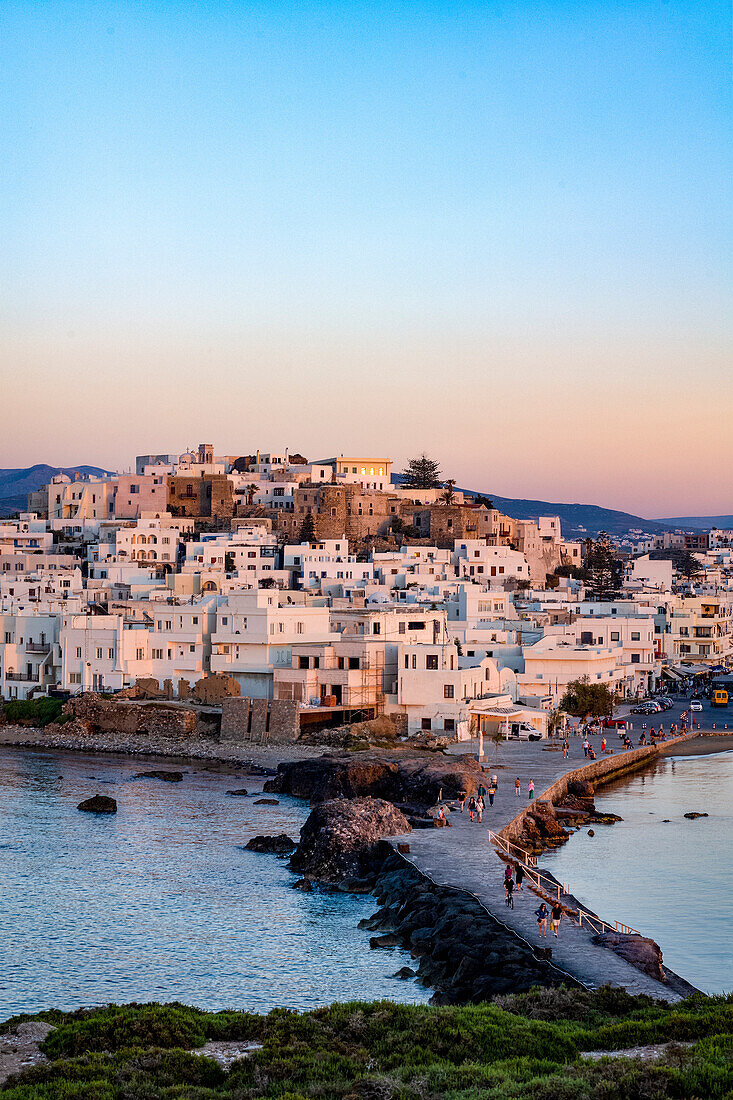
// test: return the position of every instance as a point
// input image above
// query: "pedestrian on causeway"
(530, 789)
(517, 787)
(556, 916)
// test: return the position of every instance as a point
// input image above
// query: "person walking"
(517, 787)
(519, 875)
(492, 792)
(530, 789)
(565, 749)
(481, 790)
(603, 744)
(471, 807)
(509, 891)
(586, 746)
(495, 782)
(461, 800)
(480, 807)
(542, 920)
(556, 916)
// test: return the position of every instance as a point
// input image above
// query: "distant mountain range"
(15, 485)
(578, 520)
(706, 522)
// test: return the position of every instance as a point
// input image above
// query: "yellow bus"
(720, 698)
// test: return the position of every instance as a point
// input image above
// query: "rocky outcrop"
(341, 838)
(419, 778)
(99, 804)
(541, 829)
(694, 814)
(640, 951)
(281, 845)
(464, 953)
(240, 792)
(165, 776)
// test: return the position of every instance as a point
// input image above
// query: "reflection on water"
(667, 876)
(160, 902)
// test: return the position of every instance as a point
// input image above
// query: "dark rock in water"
(167, 777)
(99, 804)
(281, 845)
(665, 821)
(303, 884)
(266, 802)
(691, 816)
(240, 792)
(591, 832)
(389, 940)
(404, 973)
(418, 780)
(640, 951)
(341, 838)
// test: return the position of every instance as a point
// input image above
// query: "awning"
(671, 674)
(695, 670)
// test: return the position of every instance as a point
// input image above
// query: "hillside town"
(324, 592)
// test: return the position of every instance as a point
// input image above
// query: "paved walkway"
(462, 857)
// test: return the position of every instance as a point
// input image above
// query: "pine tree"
(422, 473)
(308, 529)
(602, 570)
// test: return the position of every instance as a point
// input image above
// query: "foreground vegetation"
(524, 1046)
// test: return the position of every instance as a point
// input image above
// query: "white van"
(520, 731)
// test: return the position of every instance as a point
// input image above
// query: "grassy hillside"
(515, 1048)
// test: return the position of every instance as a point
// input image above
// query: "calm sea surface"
(672, 881)
(160, 902)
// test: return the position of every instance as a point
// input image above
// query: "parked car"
(696, 705)
(647, 707)
(664, 702)
(614, 723)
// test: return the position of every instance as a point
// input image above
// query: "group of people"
(514, 879)
(477, 803)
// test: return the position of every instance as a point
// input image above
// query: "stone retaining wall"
(274, 721)
(596, 772)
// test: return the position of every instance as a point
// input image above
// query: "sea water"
(161, 901)
(668, 877)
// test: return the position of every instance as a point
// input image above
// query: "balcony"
(26, 677)
(38, 647)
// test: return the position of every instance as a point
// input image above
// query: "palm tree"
(250, 490)
(448, 495)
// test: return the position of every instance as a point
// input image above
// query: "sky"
(496, 232)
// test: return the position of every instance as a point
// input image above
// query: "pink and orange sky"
(499, 234)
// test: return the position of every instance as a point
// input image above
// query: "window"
(449, 725)
(75, 678)
(139, 654)
(615, 636)
(447, 691)
(636, 658)
(78, 651)
(416, 626)
(401, 626)
(431, 661)
(224, 621)
(99, 653)
(157, 654)
(635, 636)
(426, 724)
(376, 628)
(110, 653)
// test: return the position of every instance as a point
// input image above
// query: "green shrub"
(32, 712)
